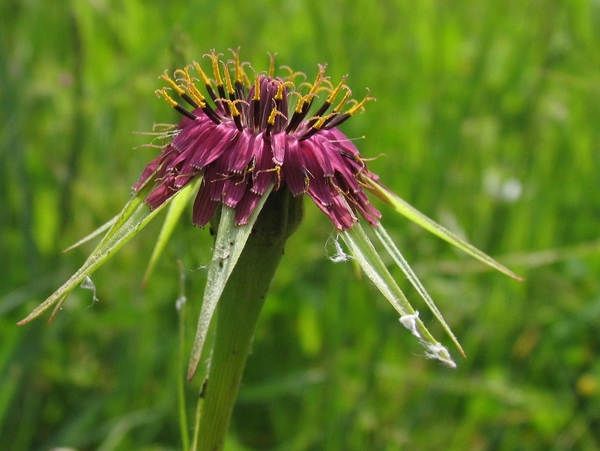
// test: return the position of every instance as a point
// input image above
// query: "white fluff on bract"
(410, 322)
(340, 256)
(87, 284)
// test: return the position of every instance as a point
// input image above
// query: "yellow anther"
(303, 99)
(295, 93)
(232, 104)
(279, 94)
(278, 172)
(274, 113)
(322, 119)
(205, 79)
(300, 104)
(234, 111)
(228, 84)
(239, 75)
(336, 91)
(359, 106)
(172, 82)
(281, 87)
(340, 105)
(244, 79)
(191, 87)
(319, 80)
(257, 88)
(196, 95)
(215, 66)
(163, 92)
(183, 75)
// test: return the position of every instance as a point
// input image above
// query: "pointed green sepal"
(113, 225)
(172, 217)
(229, 243)
(132, 219)
(407, 210)
(397, 256)
(103, 228)
(366, 255)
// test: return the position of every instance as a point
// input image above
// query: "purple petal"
(319, 185)
(159, 196)
(204, 208)
(222, 138)
(263, 169)
(320, 151)
(278, 143)
(189, 132)
(339, 213)
(241, 154)
(215, 179)
(294, 174)
(153, 166)
(233, 190)
(246, 207)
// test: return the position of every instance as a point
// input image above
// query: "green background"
(487, 119)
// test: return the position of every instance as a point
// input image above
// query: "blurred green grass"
(473, 98)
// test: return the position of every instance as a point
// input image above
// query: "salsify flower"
(248, 148)
(248, 133)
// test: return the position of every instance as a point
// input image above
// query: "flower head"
(247, 133)
(240, 141)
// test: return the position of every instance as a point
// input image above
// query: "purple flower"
(244, 135)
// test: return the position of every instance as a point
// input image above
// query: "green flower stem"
(237, 314)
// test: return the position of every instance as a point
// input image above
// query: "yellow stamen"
(336, 91)
(244, 79)
(191, 87)
(277, 170)
(319, 80)
(172, 82)
(321, 120)
(205, 79)
(257, 89)
(239, 71)
(279, 94)
(274, 113)
(280, 89)
(234, 110)
(359, 106)
(163, 92)
(196, 95)
(340, 105)
(215, 66)
(303, 99)
(228, 84)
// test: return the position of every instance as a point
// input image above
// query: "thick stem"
(238, 311)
